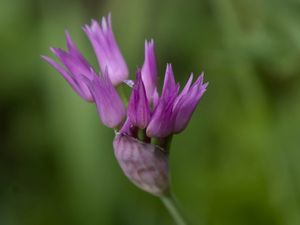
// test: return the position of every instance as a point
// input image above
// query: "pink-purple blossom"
(145, 126)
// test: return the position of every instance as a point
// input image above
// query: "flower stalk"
(172, 206)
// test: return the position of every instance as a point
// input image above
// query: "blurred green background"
(236, 164)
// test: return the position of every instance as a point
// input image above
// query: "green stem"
(173, 209)
(164, 143)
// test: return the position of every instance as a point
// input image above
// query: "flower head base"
(144, 129)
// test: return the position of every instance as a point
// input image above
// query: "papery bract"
(145, 165)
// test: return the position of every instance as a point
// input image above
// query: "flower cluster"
(145, 125)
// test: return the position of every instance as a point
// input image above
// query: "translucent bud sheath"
(145, 165)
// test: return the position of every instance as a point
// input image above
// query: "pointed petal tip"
(169, 68)
(109, 19)
(149, 43)
(94, 21)
(70, 44)
(205, 85)
(146, 45)
(169, 71)
(103, 22)
(67, 34)
(188, 84)
(84, 27)
(44, 57)
(54, 50)
(93, 26)
(202, 74)
(200, 79)
(58, 52)
(106, 22)
(47, 58)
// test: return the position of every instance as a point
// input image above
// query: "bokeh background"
(236, 164)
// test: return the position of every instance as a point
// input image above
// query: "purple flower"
(161, 123)
(173, 111)
(107, 51)
(149, 70)
(109, 104)
(138, 107)
(75, 66)
(186, 103)
(144, 129)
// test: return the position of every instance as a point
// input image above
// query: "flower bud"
(145, 165)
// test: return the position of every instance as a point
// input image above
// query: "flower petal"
(161, 123)
(149, 70)
(109, 104)
(169, 88)
(107, 50)
(75, 65)
(78, 64)
(187, 104)
(77, 85)
(138, 107)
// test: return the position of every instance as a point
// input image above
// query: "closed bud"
(145, 165)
